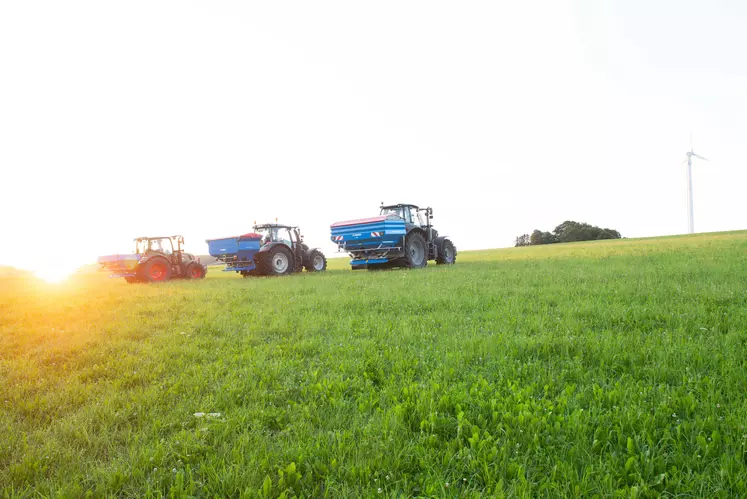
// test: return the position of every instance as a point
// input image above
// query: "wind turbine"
(690, 155)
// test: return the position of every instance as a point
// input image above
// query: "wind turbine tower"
(690, 155)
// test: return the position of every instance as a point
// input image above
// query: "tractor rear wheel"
(415, 251)
(277, 261)
(195, 271)
(447, 253)
(156, 270)
(316, 262)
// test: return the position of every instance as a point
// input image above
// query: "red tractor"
(156, 259)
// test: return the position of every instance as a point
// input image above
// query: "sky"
(123, 119)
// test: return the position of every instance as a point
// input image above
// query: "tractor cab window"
(284, 236)
(419, 219)
(408, 215)
(275, 235)
(266, 233)
(160, 246)
(393, 211)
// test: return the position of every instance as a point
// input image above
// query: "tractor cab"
(162, 245)
(274, 233)
(410, 213)
(170, 247)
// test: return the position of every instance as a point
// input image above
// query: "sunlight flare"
(55, 272)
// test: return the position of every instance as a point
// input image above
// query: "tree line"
(567, 232)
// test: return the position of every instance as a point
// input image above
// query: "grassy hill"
(589, 369)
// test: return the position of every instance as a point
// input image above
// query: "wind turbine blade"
(701, 157)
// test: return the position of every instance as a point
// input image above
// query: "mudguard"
(146, 257)
(265, 248)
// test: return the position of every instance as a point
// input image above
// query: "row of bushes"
(567, 232)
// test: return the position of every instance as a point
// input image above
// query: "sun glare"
(54, 274)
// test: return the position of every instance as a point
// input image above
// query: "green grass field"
(606, 369)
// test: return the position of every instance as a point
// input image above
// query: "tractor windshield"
(141, 246)
(161, 245)
(419, 219)
(409, 214)
(275, 234)
(158, 245)
(396, 210)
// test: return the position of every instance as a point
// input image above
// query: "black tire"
(269, 262)
(446, 253)
(416, 251)
(194, 271)
(155, 270)
(316, 262)
(131, 279)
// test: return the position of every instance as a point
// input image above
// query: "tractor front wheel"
(447, 253)
(415, 251)
(131, 279)
(195, 271)
(156, 270)
(316, 262)
(277, 261)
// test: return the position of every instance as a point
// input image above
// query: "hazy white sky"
(120, 119)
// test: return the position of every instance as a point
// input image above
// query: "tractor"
(156, 259)
(401, 236)
(272, 249)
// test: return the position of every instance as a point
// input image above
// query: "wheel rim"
(417, 252)
(195, 273)
(447, 253)
(157, 272)
(318, 262)
(280, 262)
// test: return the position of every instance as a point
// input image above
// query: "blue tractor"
(272, 249)
(401, 236)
